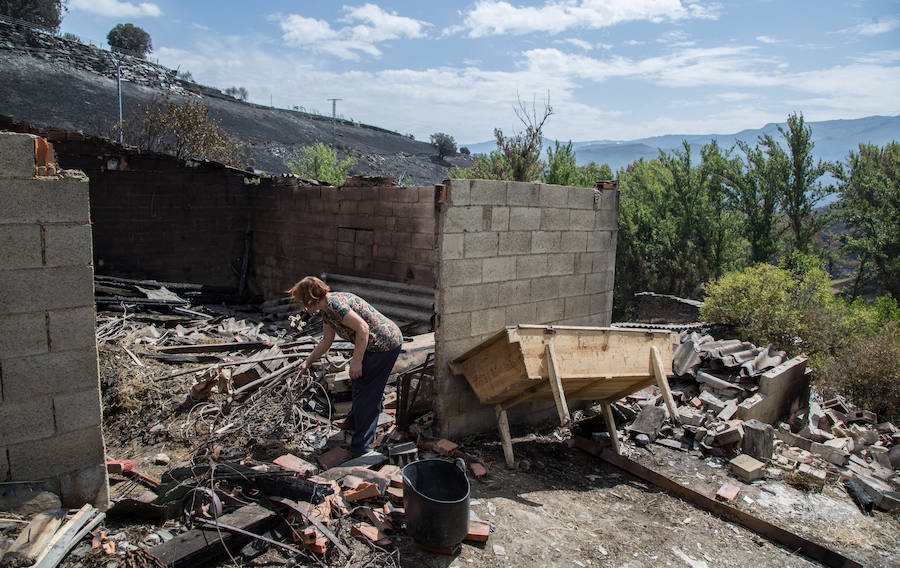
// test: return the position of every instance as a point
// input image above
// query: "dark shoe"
(343, 425)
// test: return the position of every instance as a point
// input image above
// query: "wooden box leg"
(663, 382)
(505, 438)
(559, 396)
(611, 425)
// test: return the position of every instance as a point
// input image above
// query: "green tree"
(321, 162)
(445, 144)
(131, 39)
(803, 190)
(588, 175)
(870, 205)
(757, 183)
(46, 14)
(561, 167)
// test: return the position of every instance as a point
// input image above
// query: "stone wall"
(49, 384)
(511, 253)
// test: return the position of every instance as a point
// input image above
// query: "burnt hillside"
(54, 82)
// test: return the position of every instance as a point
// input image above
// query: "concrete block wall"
(382, 232)
(50, 417)
(511, 253)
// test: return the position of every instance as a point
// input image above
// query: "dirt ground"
(559, 506)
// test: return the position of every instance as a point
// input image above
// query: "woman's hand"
(355, 368)
(304, 367)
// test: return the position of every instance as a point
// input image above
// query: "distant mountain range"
(833, 141)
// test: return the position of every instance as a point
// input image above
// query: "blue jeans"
(368, 391)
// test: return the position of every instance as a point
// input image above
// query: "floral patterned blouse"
(384, 335)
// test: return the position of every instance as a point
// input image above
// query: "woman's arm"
(361, 341)
(320, 348)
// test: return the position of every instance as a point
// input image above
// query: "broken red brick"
(334, 457)
(479, 531)
(371, 533)
(363, 491)
(119, 466)
(445, 446)
(351, 482)
(478, 468)
(291, 462)
(395, 494)
(728, 492)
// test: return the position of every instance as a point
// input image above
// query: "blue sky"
(614, 69)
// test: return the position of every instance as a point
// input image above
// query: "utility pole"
(333, 115)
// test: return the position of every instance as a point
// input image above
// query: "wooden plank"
(505, 438)
(663, 382)
(34, 539)
(56, 554)
(611, 425)
(202, 545)
(59, 545)
(304, 511)
(775, 533)
(213, 347)
(559, 395)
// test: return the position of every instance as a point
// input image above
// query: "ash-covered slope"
(53, 82)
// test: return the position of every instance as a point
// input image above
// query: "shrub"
(445, 144)
(130, 39)
(867, 372)
(321, 162)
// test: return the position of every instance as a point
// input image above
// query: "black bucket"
(436, 499)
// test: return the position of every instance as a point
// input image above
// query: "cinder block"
(550, 311)
(523, 193)
(581, 198)
(488, 192)
(463, 219)
(606, 220)
(470, 298)
(598, 282)
(68, 245)
(16, 155)
(518, 242)
(49, 457)
(554, 196)
(582, 219)
(33, 290)
(578, 306)
(573, 241)
(48, 374)
(480, 245)
(455, 325)
(747, 468)
(499, 218)
(22, 335)
(520, 313)
(561, 264)
(543, 242)
(606, 200)
(457, 272)
(20, 246)
(599, 302)
(571, 286)
(75, 411)
(524, 218)
(26, 420)
(600, 241)
(87, 485)
(515, 292)
(47, 200)
(4, 465)
(499, 268)
(488, 320)
(554, 219)
(460, 192)
(583, 262)
(531, 266)
(451, 246)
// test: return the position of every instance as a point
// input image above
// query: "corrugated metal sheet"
(410, 305)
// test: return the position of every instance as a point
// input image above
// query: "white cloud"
(579, 43)
(116, 8)
(634, 42)
(497, 17)
(367, 26)
(880, 57)
(766, 39)
(877, 27)
(676, 38)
